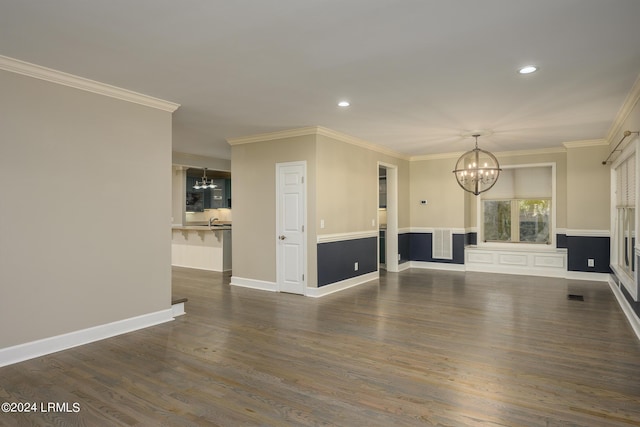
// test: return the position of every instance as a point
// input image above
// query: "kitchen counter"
(201, 247)
(201, 227)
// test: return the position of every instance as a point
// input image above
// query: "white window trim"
(630, 283)
(522, 246)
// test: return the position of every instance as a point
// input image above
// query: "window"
(626, 213)
(518, 209)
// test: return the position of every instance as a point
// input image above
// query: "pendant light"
(477, 170)
(204, 184)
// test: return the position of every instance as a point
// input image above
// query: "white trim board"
(30, 350)
(339, 237)
(342, 285)
(539, 271)
(65, 79)
(587, 275)
(626, 308)
(587, 233)
(447, 266)
(433, 229)
(178, 309)
(261, 285)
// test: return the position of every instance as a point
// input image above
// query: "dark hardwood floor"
(415, 348)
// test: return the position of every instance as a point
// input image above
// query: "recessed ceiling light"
(344, 104)
(528, 69)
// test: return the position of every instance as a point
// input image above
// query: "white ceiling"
(419, 73)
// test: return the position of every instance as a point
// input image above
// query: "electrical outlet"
(322, 223)
(355, 267)
(373, 222)
(591, 262)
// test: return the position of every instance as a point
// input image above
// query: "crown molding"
(553, 150)
(270, 136)
(626, 108)
(329, 133)
(54, 76)
(585, 143)
(315, 130)
(439, 156)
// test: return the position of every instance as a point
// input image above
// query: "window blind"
(522, 183)
(626, 182)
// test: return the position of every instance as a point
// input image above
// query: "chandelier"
(205, 183)
(477, 170)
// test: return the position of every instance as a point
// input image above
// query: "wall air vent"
(442, 243)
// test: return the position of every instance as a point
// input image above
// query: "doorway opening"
(388, 216)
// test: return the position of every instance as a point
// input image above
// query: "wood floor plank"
(419, 347)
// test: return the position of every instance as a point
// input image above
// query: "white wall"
(75, 168)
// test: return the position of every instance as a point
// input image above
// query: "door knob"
(282, 237)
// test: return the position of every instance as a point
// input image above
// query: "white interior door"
(290, 229)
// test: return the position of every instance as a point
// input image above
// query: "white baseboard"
(30, 350)
(585, 275)
(261, 285)
(626, 308)
(436, 265)
(404, 266)
(342, 285)
(197, 268)
(502, 269)
(178, 309)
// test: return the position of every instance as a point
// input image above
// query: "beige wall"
(253, 168)
(432, 180)
(588, 188)
(195, 161)
(348, 187)
(178, 194)
(75, 167)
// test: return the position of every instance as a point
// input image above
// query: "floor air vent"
(573, 297)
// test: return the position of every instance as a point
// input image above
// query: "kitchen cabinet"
(210, 198)
(382, 189)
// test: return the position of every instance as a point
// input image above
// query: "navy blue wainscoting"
(471, 238)
(420, 248)
(336, 259)
(404, 248)
(561, 241)
(581, 248)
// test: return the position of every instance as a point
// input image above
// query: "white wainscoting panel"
(509, 259)
(542, 262)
